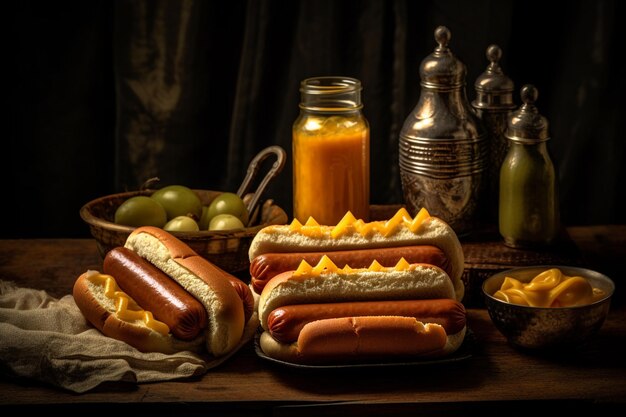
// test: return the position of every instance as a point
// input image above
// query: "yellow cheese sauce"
(550, 288)
(350, 224)
(326, 266)
(126, 309)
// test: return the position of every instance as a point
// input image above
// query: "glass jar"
(528, 203)
(331, 152)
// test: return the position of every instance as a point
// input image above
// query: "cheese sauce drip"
(126, 309)
(349, 224)
(326, 266)
(550, 288)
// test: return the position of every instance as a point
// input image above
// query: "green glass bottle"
(528, 212)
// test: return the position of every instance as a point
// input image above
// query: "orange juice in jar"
(331, 152)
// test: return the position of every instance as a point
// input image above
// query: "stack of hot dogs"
(357, 291)
(158, 295)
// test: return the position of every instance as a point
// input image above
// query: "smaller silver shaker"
(442, 151)
(494, 101)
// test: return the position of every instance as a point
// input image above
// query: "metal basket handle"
(253, 168)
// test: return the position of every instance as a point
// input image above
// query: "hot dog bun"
(349, 339)
(201, 279)
(90, 294)
(353, 234)
(421, 281)
(357, 335)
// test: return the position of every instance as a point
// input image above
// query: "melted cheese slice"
(326, 266)
(349, 224)
(126, 309)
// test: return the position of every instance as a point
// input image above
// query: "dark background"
(106, 94)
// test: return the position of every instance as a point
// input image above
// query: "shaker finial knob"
(442, 36)
(529, 94)
(494, 53)
(527, 124)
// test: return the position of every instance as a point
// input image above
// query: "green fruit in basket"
(181, 224)
(225, 222)
(140, 211)
(178, 200)
(228, 203)
(205, 220)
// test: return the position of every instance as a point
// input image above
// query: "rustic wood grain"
(497, 377)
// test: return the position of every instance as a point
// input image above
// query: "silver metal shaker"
(442, 146)
(493, 103)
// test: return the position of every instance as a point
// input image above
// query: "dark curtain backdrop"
(106, 94)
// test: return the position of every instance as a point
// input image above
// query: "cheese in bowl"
(548, 306)
(550, 288)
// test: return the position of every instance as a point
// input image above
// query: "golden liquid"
(331, 167)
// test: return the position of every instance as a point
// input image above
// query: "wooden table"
(497, 378)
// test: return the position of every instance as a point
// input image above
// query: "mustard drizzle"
(126, 309)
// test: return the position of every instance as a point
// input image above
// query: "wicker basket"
(226, 249)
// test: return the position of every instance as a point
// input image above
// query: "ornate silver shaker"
(494, 101)
(442, 145)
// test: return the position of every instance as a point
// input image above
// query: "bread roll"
(423, 281)
(100, 311)
(349, 339)
(200, 278)
(433, 231)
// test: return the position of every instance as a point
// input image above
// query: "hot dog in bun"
(326, 314)
(423, 239)
(157, 294)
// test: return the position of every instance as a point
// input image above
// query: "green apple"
(225, 222)
(181, 224)
(178, 200)
(228, 203)
(140, 211)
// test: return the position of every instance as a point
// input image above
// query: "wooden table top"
(497, 377)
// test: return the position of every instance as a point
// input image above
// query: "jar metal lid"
(441, 69)
(526, 124)
(494, 90)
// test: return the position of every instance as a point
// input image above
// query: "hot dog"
(323, 313)
(356, 236)
(157, 292)
(158, 272)
(266, 266)
(357, 339)
(154, 291)
(118, 316)
(285, 323)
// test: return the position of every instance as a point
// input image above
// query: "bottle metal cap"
(526, 124)
(441, 69)
(494, 90)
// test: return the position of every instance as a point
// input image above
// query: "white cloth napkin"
(48, 339)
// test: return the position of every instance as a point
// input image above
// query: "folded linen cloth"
(49, 340)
